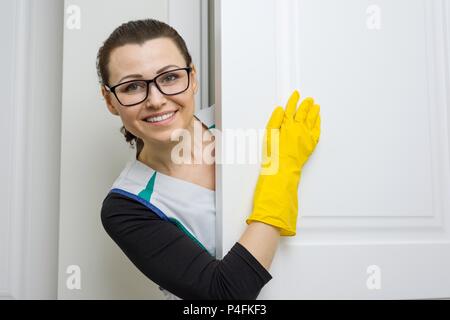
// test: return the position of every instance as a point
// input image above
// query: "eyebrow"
(140, 75)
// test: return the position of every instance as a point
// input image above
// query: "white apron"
(190, 207)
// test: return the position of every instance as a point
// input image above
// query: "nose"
(155, 97)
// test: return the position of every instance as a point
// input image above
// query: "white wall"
(30, 91)
(93, 151)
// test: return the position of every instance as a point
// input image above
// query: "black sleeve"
(171, 259)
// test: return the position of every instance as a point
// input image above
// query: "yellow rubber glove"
(290, 138)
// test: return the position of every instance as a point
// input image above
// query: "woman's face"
(143, 62)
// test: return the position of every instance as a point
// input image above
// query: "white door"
(374, 206)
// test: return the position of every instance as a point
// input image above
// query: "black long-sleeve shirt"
(171, 259)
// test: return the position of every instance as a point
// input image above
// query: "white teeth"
(160, 118)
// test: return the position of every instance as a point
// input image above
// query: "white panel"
(7, 24)
(217, 62)
(204, 60)
(379, 80)
(29, 222)
(189, 19)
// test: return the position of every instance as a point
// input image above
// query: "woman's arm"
(261, 240)
(171, 259)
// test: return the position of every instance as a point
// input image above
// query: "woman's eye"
(170, 77)
(133, 87)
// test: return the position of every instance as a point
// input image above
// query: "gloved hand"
(290, 138)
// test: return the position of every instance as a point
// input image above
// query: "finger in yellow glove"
(290, 138)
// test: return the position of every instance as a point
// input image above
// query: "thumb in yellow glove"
(290, 138)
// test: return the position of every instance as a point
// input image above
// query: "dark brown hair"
(136, 32)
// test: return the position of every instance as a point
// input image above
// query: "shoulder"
(115, 201)
(119, 210)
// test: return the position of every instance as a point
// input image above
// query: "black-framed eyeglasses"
(133, 92)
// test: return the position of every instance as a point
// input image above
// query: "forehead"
(143, 59)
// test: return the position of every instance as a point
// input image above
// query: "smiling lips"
(158, 114)
(161, 118)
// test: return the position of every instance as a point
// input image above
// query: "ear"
(194, 79)
(108, 96)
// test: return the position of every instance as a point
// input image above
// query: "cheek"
(186, 116)
(129, 121)
(186, 110)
